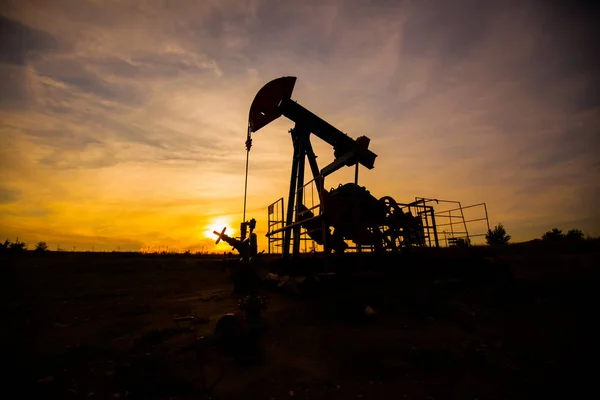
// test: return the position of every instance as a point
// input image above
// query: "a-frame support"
(302, 150)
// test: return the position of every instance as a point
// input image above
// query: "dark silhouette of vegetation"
(41, 247)
(15, 246)
(8, 247)
(574, 235)
(497, 236)
(553, 236)
(556, 235)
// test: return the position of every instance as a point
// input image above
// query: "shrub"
(554, 235)
(17, 246)
(41, 246)
(5, 246)
(574, 235)
(497, 236)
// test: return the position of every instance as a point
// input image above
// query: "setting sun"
(218, 224)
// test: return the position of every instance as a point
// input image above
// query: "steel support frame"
(302, 150)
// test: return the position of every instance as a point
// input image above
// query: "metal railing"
(277, 227)
(453, 224)
(419, 208)
(276, 221)
(440, 226)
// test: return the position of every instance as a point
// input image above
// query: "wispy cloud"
(9, 195)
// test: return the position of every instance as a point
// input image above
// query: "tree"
(497, 236)
(41, 246)
(554, 235)
(17, 246)
(574, 235)
(5, 245)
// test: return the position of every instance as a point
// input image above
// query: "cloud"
(18, 42)
(9, 195)
(80, 75)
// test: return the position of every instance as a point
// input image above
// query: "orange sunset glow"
(123, 123)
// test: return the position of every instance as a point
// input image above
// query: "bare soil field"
(449, 324)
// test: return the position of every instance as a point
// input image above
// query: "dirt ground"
(448, 324)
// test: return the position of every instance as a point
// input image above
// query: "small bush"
(556, 235)
(5, 246)
(13, 247)
(41, 247)
(553, 236)
(574, 235)
(497, 236)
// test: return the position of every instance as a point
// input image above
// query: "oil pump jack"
(350, 210)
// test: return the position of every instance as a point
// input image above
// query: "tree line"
(18, 246)
(494, 237)
(498, 236)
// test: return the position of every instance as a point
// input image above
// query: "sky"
(123, 122)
